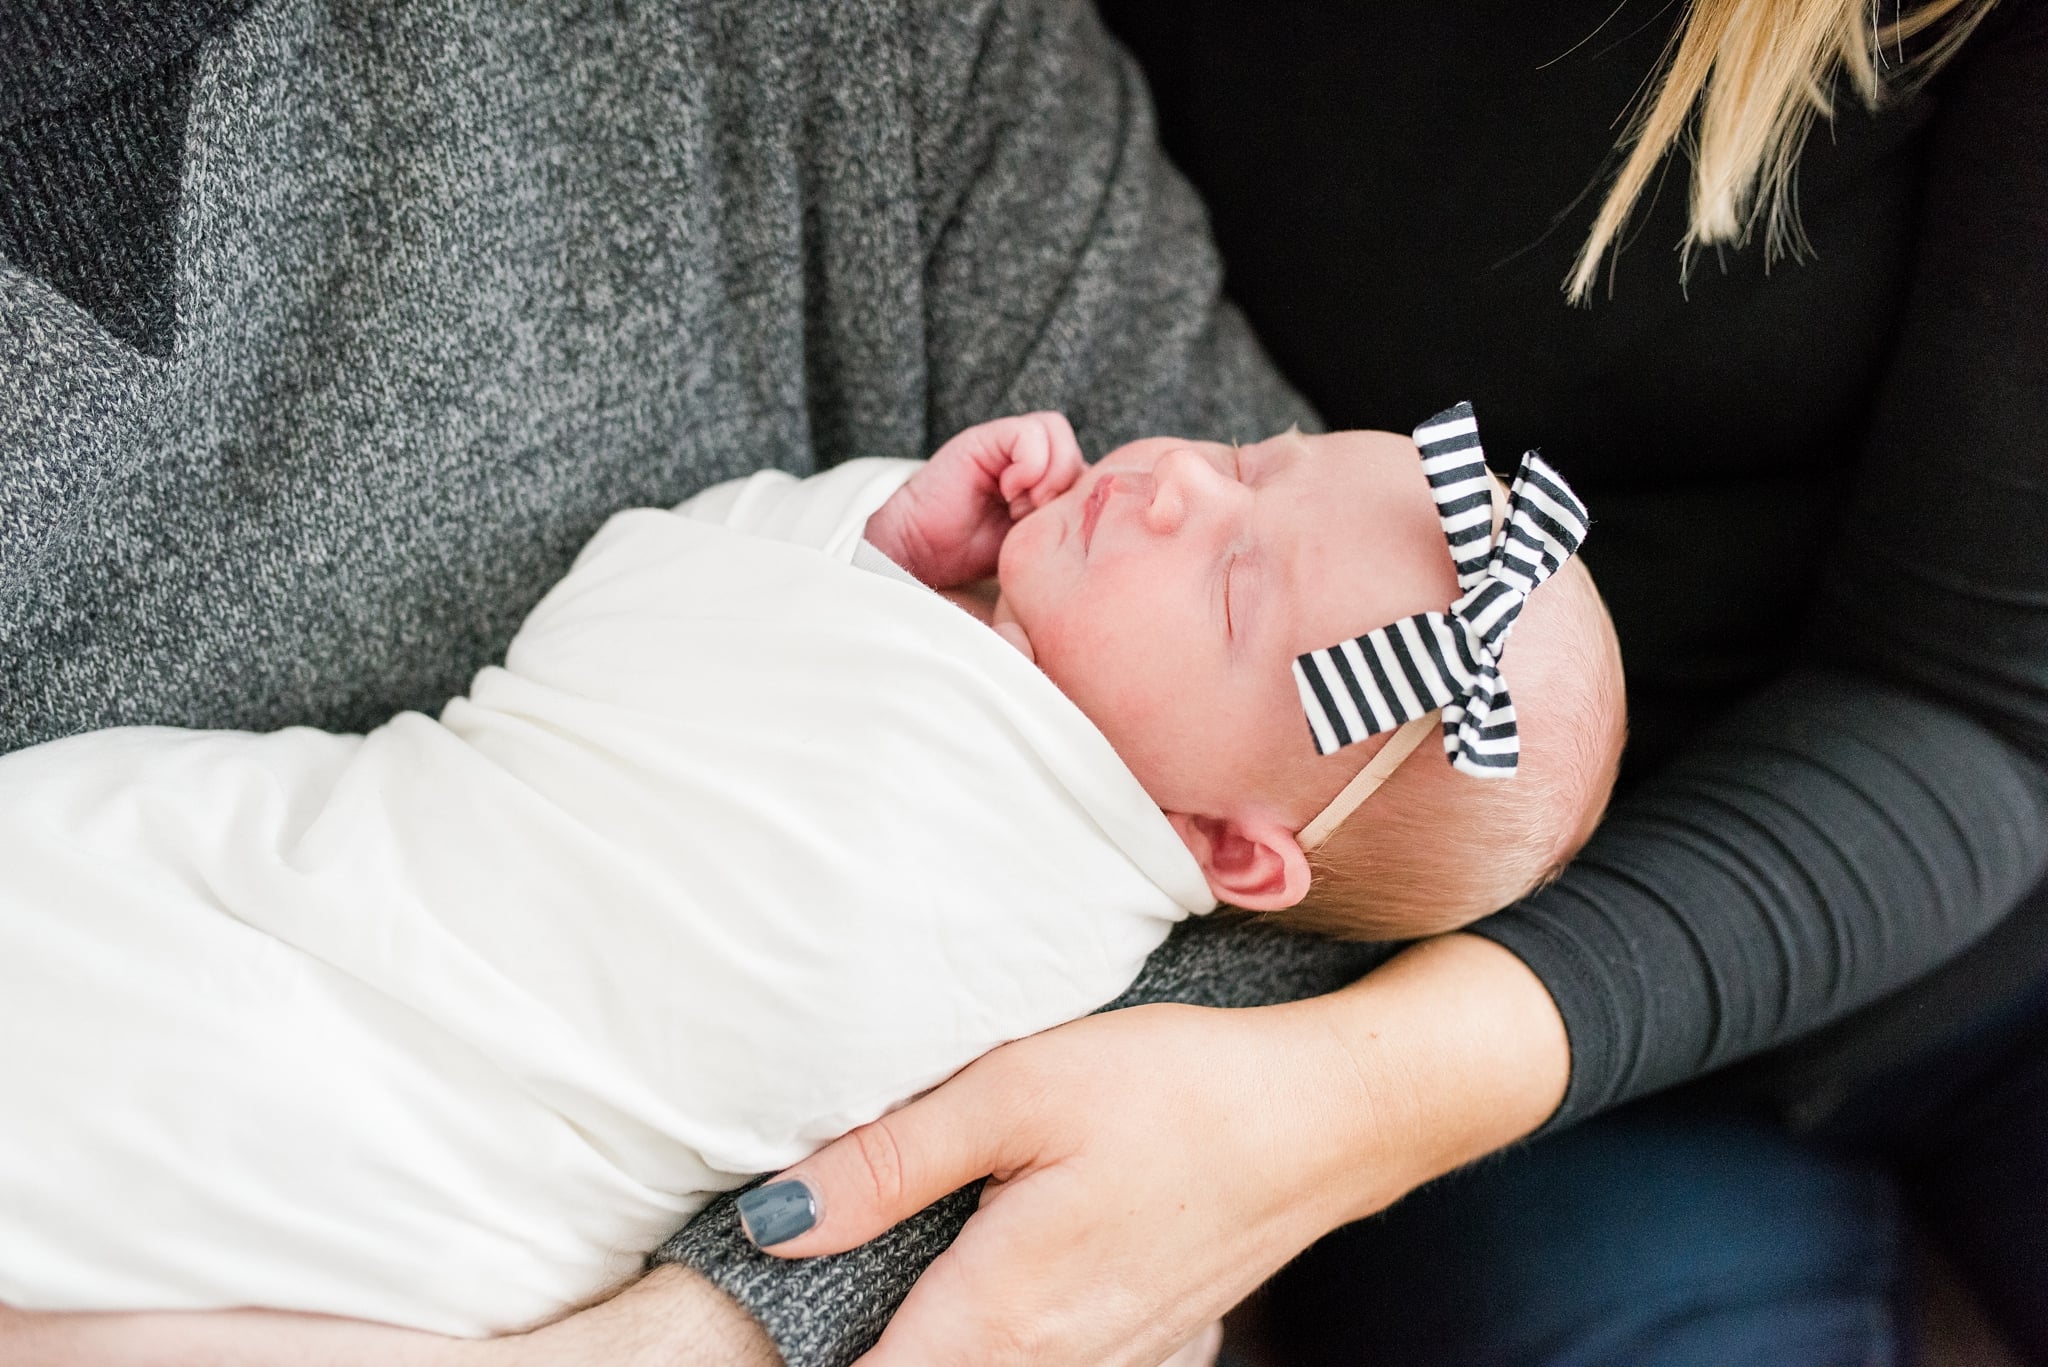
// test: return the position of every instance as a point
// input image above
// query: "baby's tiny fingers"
(1029, 455)
(1014, 482)
(1066, 467)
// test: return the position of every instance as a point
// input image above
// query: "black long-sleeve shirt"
(1820, 489)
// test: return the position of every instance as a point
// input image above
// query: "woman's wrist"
(1449, 1051)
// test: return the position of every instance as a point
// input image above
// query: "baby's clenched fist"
(947, 523)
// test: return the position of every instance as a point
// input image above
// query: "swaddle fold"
(448, 1024)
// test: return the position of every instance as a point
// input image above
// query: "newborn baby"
(1167, 588)
(752, 837)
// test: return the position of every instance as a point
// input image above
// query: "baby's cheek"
(1092, 668)
(1022, 564)
(1063, 656)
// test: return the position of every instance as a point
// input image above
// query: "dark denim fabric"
(1679, 1233)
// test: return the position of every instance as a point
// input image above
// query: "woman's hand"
(1150, 1167)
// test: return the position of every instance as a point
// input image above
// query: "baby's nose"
(1166, 504)
(1185, 480)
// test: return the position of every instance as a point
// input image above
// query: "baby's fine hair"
(1435, 849)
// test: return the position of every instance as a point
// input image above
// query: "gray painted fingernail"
(778, 1212)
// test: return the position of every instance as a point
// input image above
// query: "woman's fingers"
(884, 1172)
(1158, 1185)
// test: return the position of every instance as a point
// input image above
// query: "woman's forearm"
(1453, 1050)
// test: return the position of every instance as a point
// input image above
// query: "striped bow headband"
(1449, 661)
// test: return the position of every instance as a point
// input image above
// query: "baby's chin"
(1011, 570)
(1007, 628)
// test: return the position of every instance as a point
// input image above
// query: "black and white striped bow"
(1450, 660)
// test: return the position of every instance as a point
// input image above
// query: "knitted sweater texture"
(452, 285)
(329, 332)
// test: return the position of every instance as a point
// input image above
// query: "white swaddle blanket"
(449, 1024)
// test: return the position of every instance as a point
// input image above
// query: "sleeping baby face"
(1168, 591)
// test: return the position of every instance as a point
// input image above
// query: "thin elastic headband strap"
(1366, 781)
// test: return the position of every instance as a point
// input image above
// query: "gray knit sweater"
(449, 282)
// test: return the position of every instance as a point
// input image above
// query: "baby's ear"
(1254, 863)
